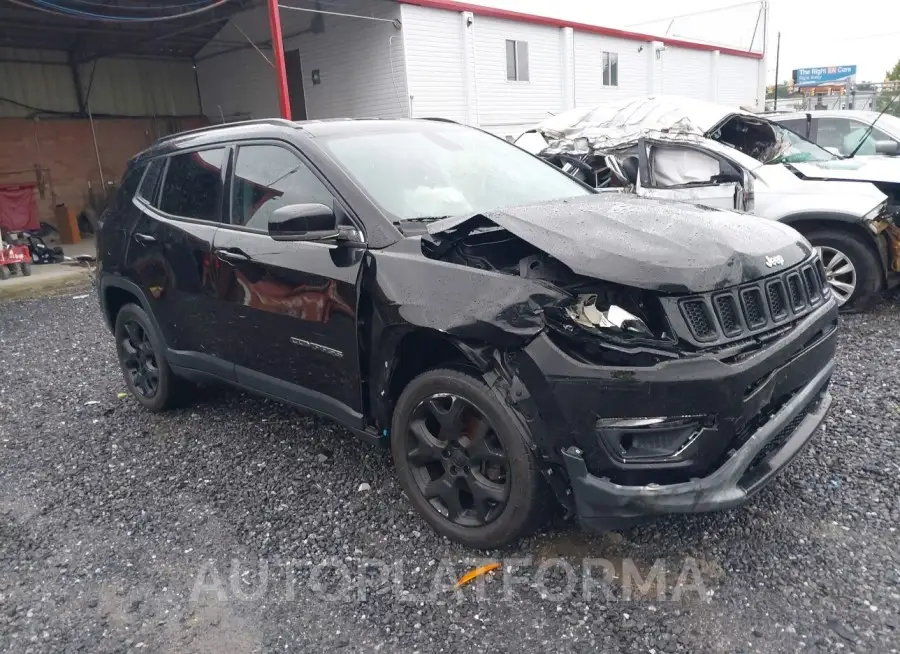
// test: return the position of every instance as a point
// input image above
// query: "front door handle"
(146, 239)
(232, 255)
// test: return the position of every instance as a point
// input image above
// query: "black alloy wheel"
(139, 359)
(457, 460)
(465, 460)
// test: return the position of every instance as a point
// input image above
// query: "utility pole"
(777, 65)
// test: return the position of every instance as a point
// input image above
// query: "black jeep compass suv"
(519, 340)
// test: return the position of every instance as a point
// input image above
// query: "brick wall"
(64, 148)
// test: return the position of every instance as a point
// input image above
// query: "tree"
(886, 95)
(784, 90)
(893, 75)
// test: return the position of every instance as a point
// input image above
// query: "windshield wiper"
(871, 127)
(420, 219)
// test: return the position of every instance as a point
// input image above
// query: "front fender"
(859, 224)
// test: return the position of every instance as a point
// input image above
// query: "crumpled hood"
(858, 169)
(656, 245)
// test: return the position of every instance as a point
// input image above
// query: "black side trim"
(298, 396)
(206, 364)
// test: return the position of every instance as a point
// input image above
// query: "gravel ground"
(240, 525)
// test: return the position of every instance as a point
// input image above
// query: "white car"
(699, 152)
(841, 131)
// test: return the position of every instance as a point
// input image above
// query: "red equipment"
(14, 259)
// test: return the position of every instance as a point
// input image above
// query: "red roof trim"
(452, 5)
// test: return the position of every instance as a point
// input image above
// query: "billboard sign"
(806, 77)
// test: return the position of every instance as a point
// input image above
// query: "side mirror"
(303, 222)
(887, 147)
(729, 177)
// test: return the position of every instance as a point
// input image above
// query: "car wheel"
(4, 272)
(464, 461)
(852, 269)
(143, 362)
(26, 269)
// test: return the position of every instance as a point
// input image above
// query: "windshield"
(424, 170)
(792, 148)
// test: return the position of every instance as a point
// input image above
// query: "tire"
(26, 269)
(867, 269)
(4, 272)
(526, 495)
(137, 342)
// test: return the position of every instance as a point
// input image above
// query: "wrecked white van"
(680, 149)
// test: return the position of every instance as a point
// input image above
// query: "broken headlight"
(613, 325)
(586, 313)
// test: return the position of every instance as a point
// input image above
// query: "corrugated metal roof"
(142, 87)
(41, 81)
(46, 86)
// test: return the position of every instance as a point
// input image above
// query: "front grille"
(697, 316)
(795, 291)
(753, 308)
(756, 307)
(777, 304)
(727, 311)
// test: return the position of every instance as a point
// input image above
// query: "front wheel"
(26, 269)
(4, 272)
(464, 461)
(852, 268)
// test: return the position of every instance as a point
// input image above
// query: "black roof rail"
(239, 123)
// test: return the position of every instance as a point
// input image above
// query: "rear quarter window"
(150, 184)
(127, 187)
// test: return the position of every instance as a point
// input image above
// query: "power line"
(57, 10)
(156, 7)
(696, 13)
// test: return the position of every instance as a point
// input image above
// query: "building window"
(517, 61)
(610, 69)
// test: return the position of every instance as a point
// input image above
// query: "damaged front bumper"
(599, 501)
(753, 416)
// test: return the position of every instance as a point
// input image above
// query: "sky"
(813, 33)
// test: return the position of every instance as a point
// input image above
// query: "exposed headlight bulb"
(585, 313)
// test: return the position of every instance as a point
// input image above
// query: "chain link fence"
(863, 97)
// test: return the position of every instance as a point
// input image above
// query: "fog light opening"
(650, 438)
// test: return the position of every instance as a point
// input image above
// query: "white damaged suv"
(676, 148)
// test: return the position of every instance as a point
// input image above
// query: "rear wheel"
(852, 268)
(4, 272)
(26, 269)
(142, 358)
(464, 461)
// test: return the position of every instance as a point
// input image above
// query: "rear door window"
(193, 185)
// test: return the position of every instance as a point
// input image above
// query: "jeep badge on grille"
(777, 260)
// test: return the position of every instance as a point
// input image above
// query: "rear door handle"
(146, 239)
(232, 255)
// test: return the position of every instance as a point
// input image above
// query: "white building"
(500, 70)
